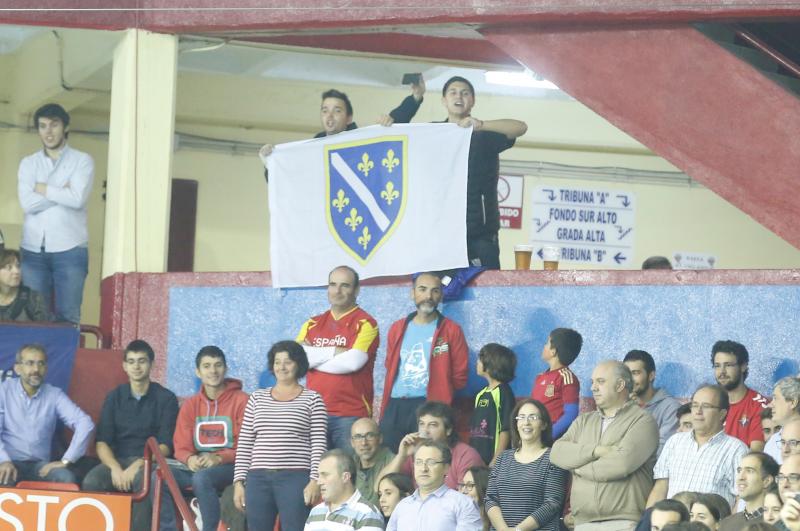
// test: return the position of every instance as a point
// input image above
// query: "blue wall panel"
(676, 324)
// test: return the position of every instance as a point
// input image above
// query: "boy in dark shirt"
(491, 418)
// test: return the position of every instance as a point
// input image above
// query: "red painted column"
(710, 114)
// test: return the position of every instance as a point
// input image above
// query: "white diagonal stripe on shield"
(360, 190)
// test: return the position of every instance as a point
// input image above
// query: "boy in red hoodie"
(205, 439)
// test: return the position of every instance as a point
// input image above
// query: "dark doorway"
(182, 225)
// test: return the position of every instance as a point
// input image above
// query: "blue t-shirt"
(415, 356)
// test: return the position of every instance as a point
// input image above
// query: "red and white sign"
(45, 510)
(509, 194)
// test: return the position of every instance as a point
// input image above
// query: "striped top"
(355, 513)
(521, 490)
(282, 434)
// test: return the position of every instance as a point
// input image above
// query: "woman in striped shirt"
(526, 491)
(283, 436)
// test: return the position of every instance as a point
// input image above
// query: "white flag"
(383, 200)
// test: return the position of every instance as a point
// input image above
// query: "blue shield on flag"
(366, 192)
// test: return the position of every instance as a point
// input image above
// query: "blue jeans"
(269, 492)
(29, 471)
(62, 274)
(339, 432)
(207, 484)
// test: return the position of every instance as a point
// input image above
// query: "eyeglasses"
(791, 478)
(466, 486)
(791, 443)
(533, 417)
(360, 437)
(700, 407)
(428, 463)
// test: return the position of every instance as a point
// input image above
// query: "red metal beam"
(712, 115)
(180, 16)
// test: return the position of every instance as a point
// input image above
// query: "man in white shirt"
(54, 185)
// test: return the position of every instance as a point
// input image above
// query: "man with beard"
(31, 410)
(426, 359)
(656, 401)
(730, 360)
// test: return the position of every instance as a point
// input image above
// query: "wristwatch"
(65, 462)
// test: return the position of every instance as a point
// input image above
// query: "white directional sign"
(591, 226)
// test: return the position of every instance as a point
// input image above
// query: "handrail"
(163, 473)
(96, 332)
(766, 49)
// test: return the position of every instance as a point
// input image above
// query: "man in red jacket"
(426, 359)
(205, 438)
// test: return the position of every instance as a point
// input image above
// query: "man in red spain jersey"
(558, 388)
(341, 345)
(730, 360)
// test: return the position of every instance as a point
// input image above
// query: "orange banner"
(51, 510)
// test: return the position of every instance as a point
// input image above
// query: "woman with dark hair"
(772, 505)
(474, 485)
(391, 489)
(710, 509)
(18, 302)
(283, 436)
(525, 489)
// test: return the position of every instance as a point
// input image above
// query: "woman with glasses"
(526, 491)
(474, 485)
(785, 407)
(283, 435)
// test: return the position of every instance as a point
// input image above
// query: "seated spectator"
(790, 439)
(436, 421)
(756, 473)
(371, 456)
(684, 414)
(391, 489)
(785, 408)
(205, 438)
(612, 475)
(657, 262)
(710, 510)
(789, 476)
(654, 400)
(704, 459)
(283, 437)
(525, 489)
(667, 512)
(18, 302)
(772, 505)
(31, 410)
(491, 417)
(439, 507)
(343, 507)
(131, 414)
(768, 425)
(476, 480)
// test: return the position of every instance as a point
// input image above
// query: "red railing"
(163, 473)
(766, 49)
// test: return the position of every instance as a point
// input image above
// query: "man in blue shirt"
(434, 506)
(29, 411)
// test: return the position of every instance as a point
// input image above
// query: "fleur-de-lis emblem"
(365, 237)
(341, 201)
(390, 161)
(354, 220)
(389, 193)
(365, 165)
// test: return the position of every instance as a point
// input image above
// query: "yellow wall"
(233, 227)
